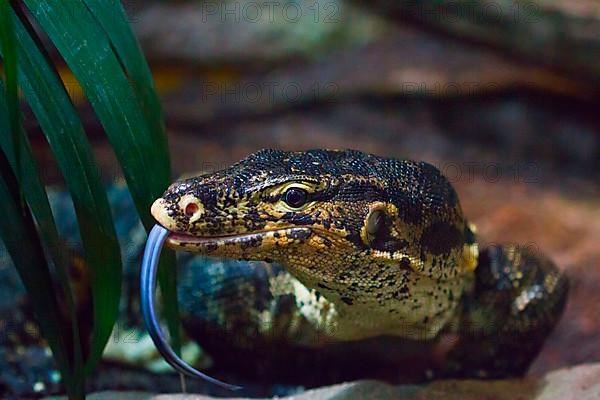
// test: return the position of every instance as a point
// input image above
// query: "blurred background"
(502, 96)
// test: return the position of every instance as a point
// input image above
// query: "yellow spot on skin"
(470, 256)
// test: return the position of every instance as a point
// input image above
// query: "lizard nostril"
(191, 209)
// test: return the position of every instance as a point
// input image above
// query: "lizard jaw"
(236, 245)
(247, 244)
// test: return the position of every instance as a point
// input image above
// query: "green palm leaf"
(17, 228)
(130, 55)
(97, 44)
(59, 121)
(89, 53)
(18, 232)
(36, 197)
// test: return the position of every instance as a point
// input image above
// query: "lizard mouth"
(208, 244)
(226, 245)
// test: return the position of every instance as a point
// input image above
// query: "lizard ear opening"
(378, 232)
(376, 228)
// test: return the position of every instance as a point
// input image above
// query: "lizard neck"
(414, 307)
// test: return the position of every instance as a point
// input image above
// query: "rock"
(561, 34)
(249, 33)
(408, 63)
(581, 383)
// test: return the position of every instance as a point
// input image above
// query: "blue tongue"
(154, 245)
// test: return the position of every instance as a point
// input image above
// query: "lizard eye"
(295, 197)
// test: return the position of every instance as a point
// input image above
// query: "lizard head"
(335, 219)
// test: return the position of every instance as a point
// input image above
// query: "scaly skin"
(371, 247)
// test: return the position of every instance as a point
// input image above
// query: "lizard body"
(370, 247)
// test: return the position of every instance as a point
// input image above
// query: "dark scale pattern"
(377, 247)
(440, 238)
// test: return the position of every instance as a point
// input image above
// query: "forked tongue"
(154, 244)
